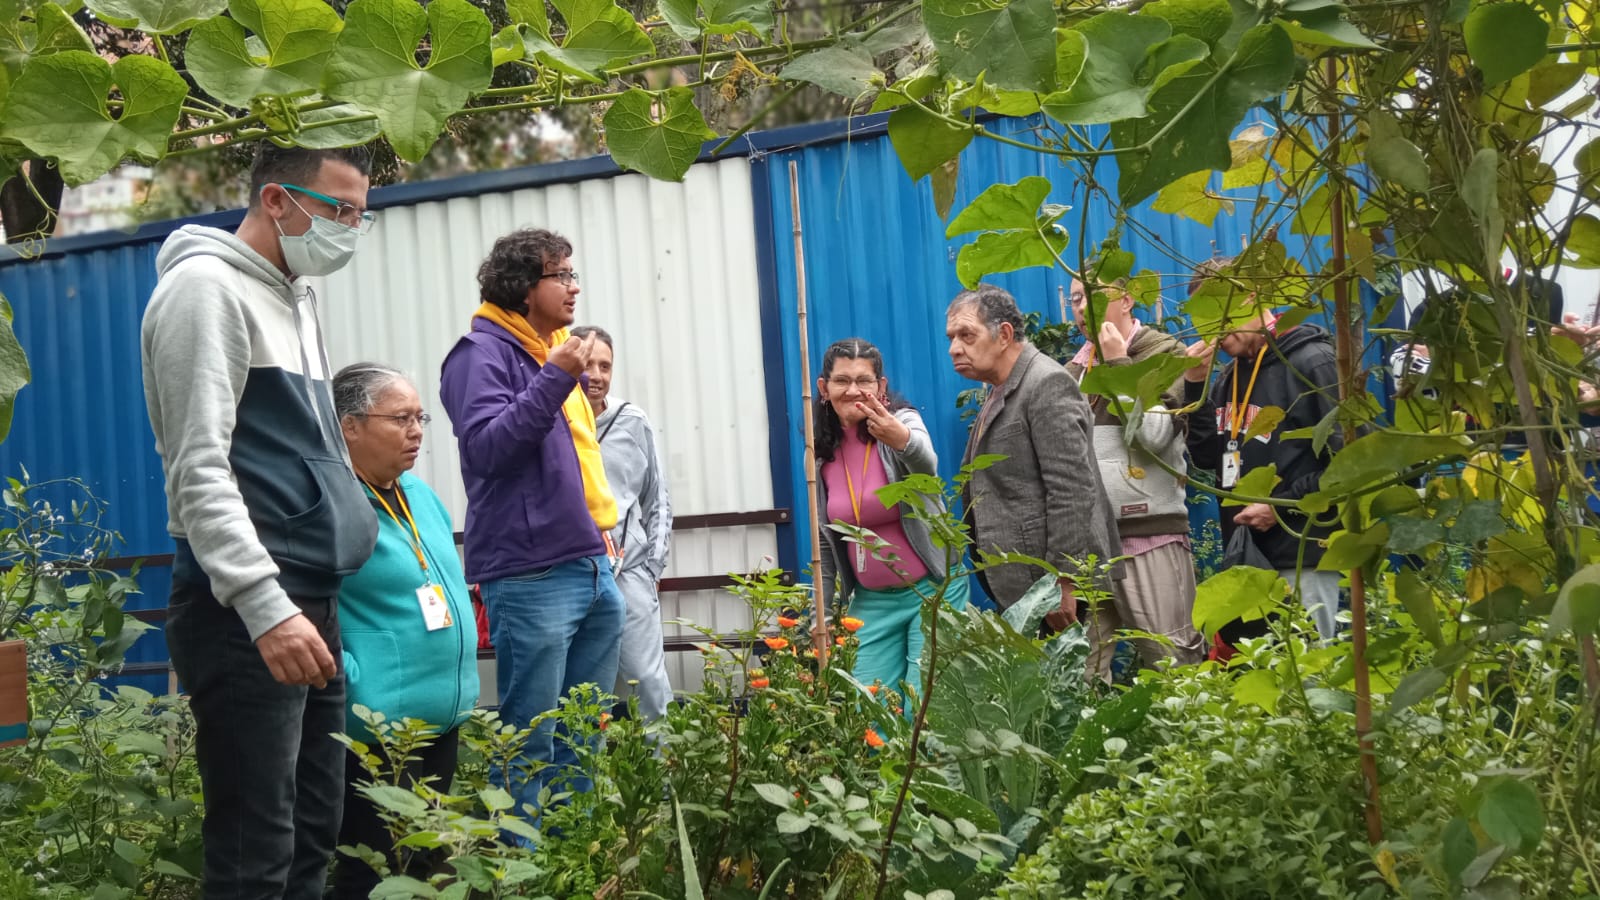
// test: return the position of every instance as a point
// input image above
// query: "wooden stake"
(819, 631)
(1347, 339)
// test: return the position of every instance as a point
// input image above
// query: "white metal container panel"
(669, 270)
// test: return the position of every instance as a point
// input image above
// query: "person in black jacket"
(1294, 371)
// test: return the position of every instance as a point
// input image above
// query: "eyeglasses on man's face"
(345, 214)
(404, 420)
(567, 278)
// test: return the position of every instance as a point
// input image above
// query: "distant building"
(105, 204)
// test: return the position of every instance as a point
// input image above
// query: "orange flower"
(786, 622)
(839, 641)
(604, 718)
(873, 740)
(851, 623)
(759, 683)
(874, 688)
(777, 643)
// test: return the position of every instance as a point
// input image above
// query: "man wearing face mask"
(267, 515)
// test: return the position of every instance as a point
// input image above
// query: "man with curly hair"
(538, 504)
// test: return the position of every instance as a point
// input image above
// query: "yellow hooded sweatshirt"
(580, 416)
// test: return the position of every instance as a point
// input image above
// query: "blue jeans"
(553, 629)
(272, 773)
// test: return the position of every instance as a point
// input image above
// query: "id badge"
(861, 558)
(435, 609)
(1231, 463)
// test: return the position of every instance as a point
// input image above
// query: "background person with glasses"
(410, 640)
(867, 438)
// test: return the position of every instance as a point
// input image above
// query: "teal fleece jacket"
(393, 663)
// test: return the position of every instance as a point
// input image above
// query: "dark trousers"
(272, 774)
(354, 879)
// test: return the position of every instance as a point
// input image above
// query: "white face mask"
(325, 248)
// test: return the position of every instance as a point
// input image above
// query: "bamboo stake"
(819, 629)
(1347, 339)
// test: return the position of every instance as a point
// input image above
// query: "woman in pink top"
(867, 438)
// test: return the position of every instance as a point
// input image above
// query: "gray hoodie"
(260, 494)
(638, 482)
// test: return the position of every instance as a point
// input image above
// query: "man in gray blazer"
(1045, 499)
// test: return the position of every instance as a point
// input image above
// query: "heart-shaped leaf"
(157, 16)
(1207, 103)
(1505, 39)
(1013, 41)
(1241, 592)
(845, 69)
(58, 109)
(284, 53)
(374, 66)
(599, 33)
(1126, 56)
(51, 30)
(658, 134)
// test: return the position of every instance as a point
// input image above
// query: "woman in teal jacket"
(410, 640)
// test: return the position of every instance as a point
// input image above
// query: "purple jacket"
(525, 506)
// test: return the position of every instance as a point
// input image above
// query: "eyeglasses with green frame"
(344, 213)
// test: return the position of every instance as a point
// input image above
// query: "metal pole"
(819, 632)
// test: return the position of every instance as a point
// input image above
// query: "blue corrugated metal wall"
(879, 267)
(83, 416)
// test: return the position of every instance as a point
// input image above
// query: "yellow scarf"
(580, 416)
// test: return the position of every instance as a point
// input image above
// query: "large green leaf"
(157, 16)
(1191, 197)
(1019, 230)
(284, 52)
(1206, 20)
(1326, 27)
(657, 134)
(51, 30)
(599, 33)
(730, 16)
(58, 109)
(1508, 810)
(374, 66)
(1383, 454)
(1578, 605)
(1126, 57)
(1241, 592)
(1012, 41)
(348, 134)
(1392, 156)
(1204, 105)
(1002, 206)
(845, 69)
(14, 371)
(923, 141)
(1505, 39)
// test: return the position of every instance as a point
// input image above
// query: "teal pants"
(891, 632)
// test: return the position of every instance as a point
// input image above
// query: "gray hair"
(994, 307)
(357, 387)
(583, 331)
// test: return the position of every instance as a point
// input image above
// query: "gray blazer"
(917, 458)
(1045, 499)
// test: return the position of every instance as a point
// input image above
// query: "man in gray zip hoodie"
(266, 513)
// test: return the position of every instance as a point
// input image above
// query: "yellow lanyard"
(416, 547)
(866, 460)
(1238, 411)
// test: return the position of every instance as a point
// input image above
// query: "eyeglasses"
(343, 213)
(845, 384)
(567, 278)
(406, 420)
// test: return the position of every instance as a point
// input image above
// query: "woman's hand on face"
(882, 424)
